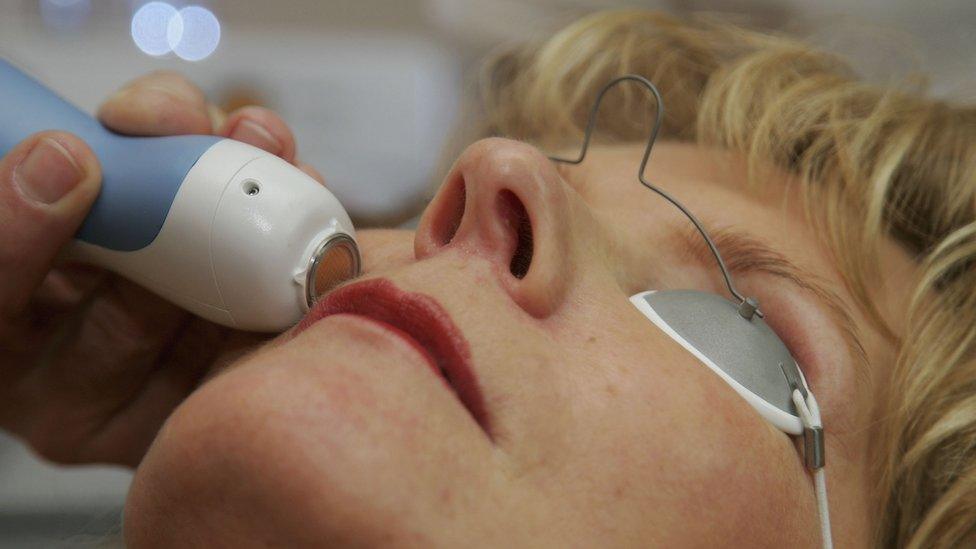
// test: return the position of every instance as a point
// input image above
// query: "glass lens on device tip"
(336, 261)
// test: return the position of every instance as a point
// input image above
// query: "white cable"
(806, 415)
(820, 484)
(810, 416)
(814, 409)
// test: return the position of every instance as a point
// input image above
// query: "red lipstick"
(421, 320)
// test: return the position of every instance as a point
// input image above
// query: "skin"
(604, 432)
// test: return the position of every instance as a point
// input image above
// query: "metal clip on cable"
(748, 306)
(813, 439)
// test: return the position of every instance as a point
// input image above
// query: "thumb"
(48, 182)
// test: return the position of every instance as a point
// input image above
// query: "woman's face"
(487, 382)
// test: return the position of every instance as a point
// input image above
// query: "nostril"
(513, 212)
(446, 227)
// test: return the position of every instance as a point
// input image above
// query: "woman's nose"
(505, 203)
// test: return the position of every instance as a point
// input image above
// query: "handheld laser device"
(223, 229)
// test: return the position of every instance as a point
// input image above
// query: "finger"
(159, 103)
(99, 372)
(312, 172)
(47, 185)
(65, 288)
(262, 128)
(118, 341)
(217, 116)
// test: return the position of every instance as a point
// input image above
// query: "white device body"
(237, 241)
(782, 420)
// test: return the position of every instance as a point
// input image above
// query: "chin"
(313, 442)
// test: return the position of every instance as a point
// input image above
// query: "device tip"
(334, 261)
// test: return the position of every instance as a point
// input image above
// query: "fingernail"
(48, 172)
(253, 133)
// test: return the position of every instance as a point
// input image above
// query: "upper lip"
(421, 318)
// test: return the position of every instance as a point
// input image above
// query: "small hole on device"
(251, 188)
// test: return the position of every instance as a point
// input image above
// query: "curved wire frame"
(747, 305)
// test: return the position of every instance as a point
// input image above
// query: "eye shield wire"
(803, 399)
(748, 306)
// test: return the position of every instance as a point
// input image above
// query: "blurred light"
(194, 33)
(65, 14)
(149, 27)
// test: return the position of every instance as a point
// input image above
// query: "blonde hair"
(904, 165)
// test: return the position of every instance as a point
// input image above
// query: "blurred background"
(371, 89)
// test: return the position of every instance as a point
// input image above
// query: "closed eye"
(745, 254)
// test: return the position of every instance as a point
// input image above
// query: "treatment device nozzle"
(334, 261)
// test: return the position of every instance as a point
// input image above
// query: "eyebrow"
(744, 253)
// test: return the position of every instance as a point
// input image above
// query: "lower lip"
(418, 319)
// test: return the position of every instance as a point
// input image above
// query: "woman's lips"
(418, 318)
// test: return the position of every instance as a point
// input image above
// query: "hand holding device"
(221, 228)
(93, 363)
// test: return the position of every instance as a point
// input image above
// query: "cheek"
(325, 441)
(385, 248)
(668, 446)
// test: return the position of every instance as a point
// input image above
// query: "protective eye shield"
(746, 354)
(730, 338)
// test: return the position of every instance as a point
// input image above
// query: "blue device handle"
(140, 175)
